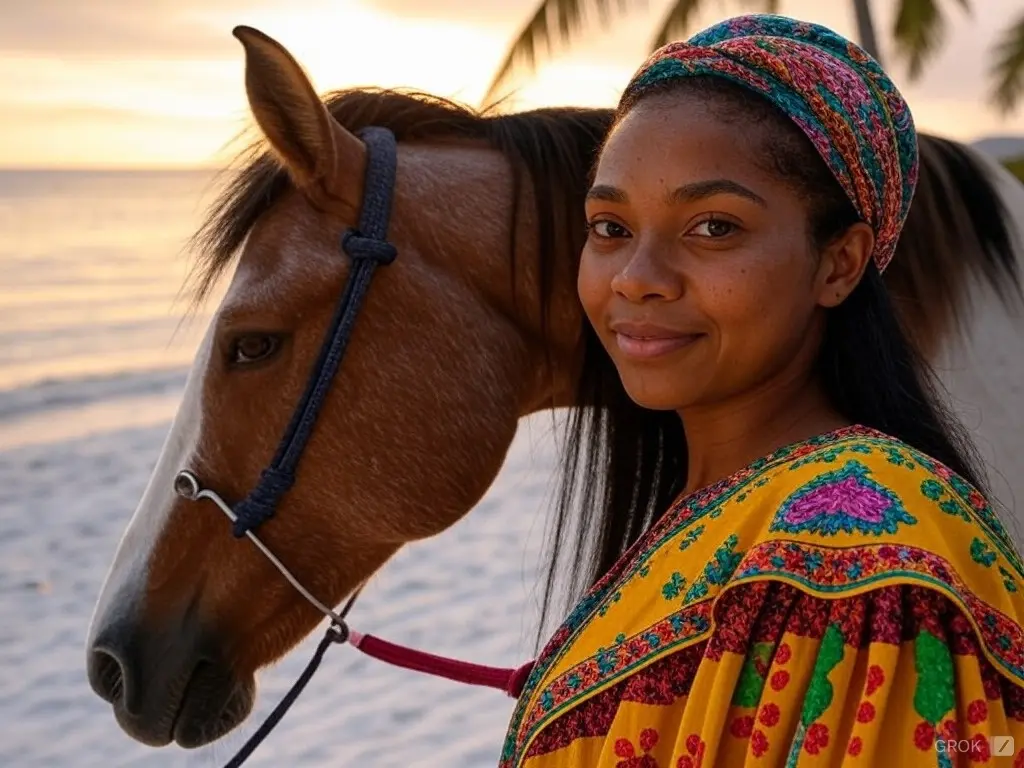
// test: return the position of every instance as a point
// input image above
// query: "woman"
(799, 566)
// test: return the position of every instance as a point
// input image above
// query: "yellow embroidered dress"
(846, 601)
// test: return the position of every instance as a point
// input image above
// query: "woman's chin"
(657, 396)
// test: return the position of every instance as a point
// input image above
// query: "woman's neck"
(724, 437)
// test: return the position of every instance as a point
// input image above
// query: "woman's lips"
(648, 341)
(648, 348)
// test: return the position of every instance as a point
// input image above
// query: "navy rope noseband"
(368, 247)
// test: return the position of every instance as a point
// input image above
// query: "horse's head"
(450, 348)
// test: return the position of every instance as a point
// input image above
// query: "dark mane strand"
(958, 232)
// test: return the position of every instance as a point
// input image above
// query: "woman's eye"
(252, 348)
(714, 228)
(608, 229)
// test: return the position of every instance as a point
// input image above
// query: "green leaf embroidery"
(751, 682)
(934, 693)
(819, 692)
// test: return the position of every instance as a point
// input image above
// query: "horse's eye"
(253, 348)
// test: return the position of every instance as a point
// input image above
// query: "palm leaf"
(1008, 68)
(919, 31)
(555, 22)
(676, 24)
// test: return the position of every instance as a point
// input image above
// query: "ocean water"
(93, 357)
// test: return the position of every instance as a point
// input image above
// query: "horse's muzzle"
(166, 686)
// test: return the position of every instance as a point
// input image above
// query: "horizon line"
(113, 168)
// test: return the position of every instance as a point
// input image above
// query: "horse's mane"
(959, 231)
(555, 148)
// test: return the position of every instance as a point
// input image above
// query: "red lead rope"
(511, 681)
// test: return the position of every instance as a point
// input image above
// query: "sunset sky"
(156, 84)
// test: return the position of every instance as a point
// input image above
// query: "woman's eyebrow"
(687, 193)
(701, 189)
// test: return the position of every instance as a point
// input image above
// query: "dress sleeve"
(891, 677)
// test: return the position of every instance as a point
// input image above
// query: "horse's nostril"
(106, 676)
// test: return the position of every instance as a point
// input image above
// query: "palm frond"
(677, 22)
(555, 23)
(918, 33)
(1008, 68)
(675, 25)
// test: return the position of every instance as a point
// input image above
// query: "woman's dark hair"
(623, 465)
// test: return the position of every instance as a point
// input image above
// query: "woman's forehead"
(675, 137)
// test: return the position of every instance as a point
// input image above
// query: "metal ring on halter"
(186, 485)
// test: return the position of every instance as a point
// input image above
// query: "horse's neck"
(556, 335)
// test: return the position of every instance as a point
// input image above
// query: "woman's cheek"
(593, 284)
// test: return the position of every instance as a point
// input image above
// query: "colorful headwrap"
(838, 95)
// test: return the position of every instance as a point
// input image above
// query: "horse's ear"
(309, 141)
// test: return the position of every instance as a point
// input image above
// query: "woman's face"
(698, 273)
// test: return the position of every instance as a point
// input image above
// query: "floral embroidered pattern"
(981, 552)
(846, 500)
(857, 566)
(889, 615)
(614, 662)
(630, 759)
(717, 572)
(556, 709)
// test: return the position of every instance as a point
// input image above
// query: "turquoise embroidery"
(718, 571)
(674, 586)
(1008, 581)
(691, 537)
(982, 553)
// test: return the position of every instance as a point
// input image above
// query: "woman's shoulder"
(854, 484)
(845, 514)
(859, 511)
(864, 481)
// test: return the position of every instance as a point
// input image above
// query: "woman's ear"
(843, 263)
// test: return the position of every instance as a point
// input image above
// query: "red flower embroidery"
(977, 711)
(924, 736)
(991, 683)
(769, 714)
(782, 655)
(695, 746)
(865, 712)
(758, 743)
(624, 748)
(855, 746)
(979, 749)
(780, 679)
(948, 730)
(876, 676)
(648, 738)
(742, 727)
(630, 759)
(816, 738)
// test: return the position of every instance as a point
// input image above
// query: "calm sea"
(91, 266)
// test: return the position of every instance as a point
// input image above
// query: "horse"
(473, 326)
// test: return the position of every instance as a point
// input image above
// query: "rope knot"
(259, 506)
(359, 246)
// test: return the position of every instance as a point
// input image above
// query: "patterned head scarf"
(837, 94)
